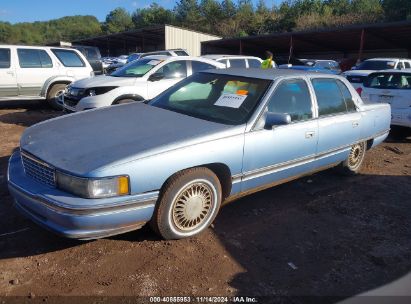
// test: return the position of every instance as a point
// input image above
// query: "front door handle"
(10, 73)
(355, 124)
(309, 134)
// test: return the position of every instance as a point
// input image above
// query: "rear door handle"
(309, 134)
(355, 124)
(10, 73)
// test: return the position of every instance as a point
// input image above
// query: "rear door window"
(292, 97)
(254, 63)
(5, 59)
(181, 53)
(198, 66)
(69, 58)
(329, 97)
(407, 64)
(237, 63)
(33, 58)
(349, 102)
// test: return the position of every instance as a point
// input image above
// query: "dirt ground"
(324, 235)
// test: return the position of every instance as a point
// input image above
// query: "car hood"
(358, 72)
(88, 141)
(103, 81)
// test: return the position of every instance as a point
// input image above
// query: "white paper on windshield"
(153, 62)
(230, 100)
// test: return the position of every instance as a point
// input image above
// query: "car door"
(272, 155)
(170, 74)
(338, 120)
(8, 83)
(34, 68)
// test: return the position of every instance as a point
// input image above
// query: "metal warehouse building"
(148, 39)
(364, 41)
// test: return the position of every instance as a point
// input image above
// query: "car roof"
(215, 56)
(178, 58)
(386, 58)
(269, 74)
(393, 71)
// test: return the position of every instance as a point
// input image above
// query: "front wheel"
(352, 164)
(54, 94)
(188, 204)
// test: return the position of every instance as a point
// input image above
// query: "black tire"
(53, 94)
(188, 204)
(355, 159)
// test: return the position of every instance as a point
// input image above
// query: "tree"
(153, 15)
(188, 13)
(118, 20)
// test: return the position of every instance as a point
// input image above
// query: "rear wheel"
(53, 95)
(189, 203)
(352, 164)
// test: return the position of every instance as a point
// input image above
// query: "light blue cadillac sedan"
(215, 136)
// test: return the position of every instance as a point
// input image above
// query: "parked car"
(213, 137)
(93, 56)
(393, 87)
(315, 65)
(358, 73)
(171, 52)
(116, 63)
(237, 61)
(133, 56)
(139, 80)
(33, 72)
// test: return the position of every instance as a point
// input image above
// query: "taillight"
(359, 91)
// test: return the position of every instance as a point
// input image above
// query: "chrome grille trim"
(38, 170)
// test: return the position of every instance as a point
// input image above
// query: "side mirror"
(276, 119)
(156, 77)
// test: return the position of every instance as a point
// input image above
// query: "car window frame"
(319, 116)
(309, 93)
(79, 55)
(10, 59)
(255, 122)
(38, 54)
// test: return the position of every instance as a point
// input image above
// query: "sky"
(14, 11)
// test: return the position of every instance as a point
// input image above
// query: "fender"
(134, 97)
(50, 81)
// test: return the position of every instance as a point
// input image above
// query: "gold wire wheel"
(193, 206)
(356, 156)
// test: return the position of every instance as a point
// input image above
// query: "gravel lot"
(322, 235)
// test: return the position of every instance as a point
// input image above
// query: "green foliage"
(118, 20)
(63, 29)
(227, 18)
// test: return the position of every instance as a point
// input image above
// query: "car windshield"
(388, 81)
(376, 65)
(214, 97)
(136, 68)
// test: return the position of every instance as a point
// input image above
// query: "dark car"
(93, 56)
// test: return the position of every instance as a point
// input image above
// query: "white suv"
(32, 72)
(238, 61)
(139, 80)
(359, 73)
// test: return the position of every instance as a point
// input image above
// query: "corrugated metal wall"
(185, 39)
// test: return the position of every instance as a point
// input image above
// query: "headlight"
(98, 90)
(92, 92)
(93, 187)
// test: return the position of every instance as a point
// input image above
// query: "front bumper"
(76, 104)
(75, 217)
(401, 117)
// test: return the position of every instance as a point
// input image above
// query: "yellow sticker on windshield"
(241, 92)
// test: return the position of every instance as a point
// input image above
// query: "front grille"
(356, 79)
(38, 170)
(70, 101)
